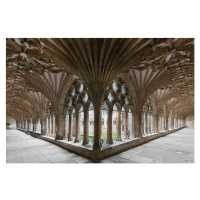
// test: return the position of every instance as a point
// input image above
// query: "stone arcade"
(87, 95)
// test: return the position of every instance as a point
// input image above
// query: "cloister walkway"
(177, 147)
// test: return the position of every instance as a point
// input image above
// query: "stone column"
(59, 123)
(149, 127)
(86, 126)
(149, 123)
(119, 138)
(29, 125)
(56, 127)
(172, 123)
(70, 125)
(33, 122)
(157, 123)
(138, 124)
(166, 127)
(109, 127)
(52, 126)
(49, 125)
(42, 126)
(122, 122)
(97, 126)
(45, 126)
(77, 133)
(126, 123)
(146, 123)
(33, 125)
(152, 124)
(64, 126)
(132, 128)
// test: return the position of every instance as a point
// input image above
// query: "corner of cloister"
(99, 97)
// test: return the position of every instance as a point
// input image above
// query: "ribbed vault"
(42, 70)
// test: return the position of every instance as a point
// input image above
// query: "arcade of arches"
(94, 94)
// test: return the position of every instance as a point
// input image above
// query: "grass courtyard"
(104, 134)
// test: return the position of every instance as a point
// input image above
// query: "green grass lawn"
(104, 136)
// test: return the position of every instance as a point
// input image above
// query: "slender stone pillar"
(109, 127)
(119, 138)
(64, 126)
(52, 126)
(122, 122)
(138, 124)
(45, 126)
(172, 123)
(126, 123)
(132, 129)
(59, 131)
(97, 126)
(154, 124)
(33, 122)
(161, 124)
(42, 126)
(77, 133)
(157, 123)
(36, 126)
(33, 125)
(167, 127)
(70, 125)
(146, 123)
(86, 126)
(49, 125)
(149, 126)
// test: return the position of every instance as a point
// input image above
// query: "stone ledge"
(97, 156)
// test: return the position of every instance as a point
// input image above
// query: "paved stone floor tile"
(177, 147)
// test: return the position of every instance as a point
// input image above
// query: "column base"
(85, 142)
(96, 147)
(69, 139)
(118, 139)
(77, 140)
(59, 137)
(109, 141)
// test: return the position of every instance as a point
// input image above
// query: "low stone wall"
(96, 156)
(128, 145)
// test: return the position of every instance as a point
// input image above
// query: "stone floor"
(177, 147)
(23, 148)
